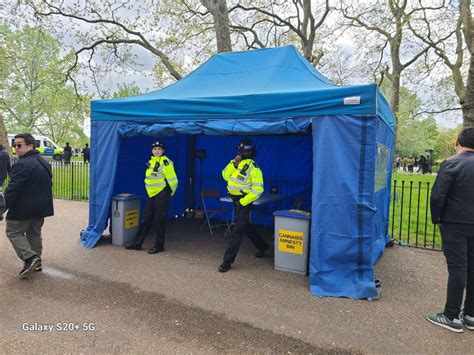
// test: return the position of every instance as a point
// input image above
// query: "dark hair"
(87, 144)
(466, 138)
(27, 137)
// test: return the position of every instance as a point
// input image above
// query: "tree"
(453, 42)
(386, 29)
(35, 97)
(107, 27)
(415, 133)
(444, 146)
(465, 12)
(125, 90)
(4, 70)
(179, 33)
(4, 136)
(292, 21)
(220, 14)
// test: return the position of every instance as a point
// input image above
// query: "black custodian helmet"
(158, 144)
(246, 148)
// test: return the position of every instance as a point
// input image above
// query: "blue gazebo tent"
(333, 144)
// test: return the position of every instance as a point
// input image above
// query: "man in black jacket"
(452, 208)
(28, 198)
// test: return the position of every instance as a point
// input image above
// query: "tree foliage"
(415, 134)
(125, 90)
(36, 97)
(444, 146)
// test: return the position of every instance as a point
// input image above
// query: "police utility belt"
(237, 197)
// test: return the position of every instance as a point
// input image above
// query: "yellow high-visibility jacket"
(159, 171)
(246, 179)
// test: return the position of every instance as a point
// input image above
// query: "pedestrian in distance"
(410, 164)
(452, 208)
(86, 153)
(160, 183)
(405, 164)
(244, 185)
(5, 166)
(28, 199)
(423, 165)
(67, 153)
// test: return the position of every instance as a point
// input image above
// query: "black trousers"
(458, 248)
(156, 209)
(67, 157)
(242, 226)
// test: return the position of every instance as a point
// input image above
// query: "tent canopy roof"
(261, 84)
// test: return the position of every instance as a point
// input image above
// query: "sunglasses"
(19, 145)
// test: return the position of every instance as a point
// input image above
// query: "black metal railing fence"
(410, 216)
(70, 180)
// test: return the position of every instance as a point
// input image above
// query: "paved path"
(177, 302)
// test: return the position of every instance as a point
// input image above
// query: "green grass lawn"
(410, 217)
(71, 181)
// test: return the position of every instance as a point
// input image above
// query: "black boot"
(133, 246)
(224, 267)
(261, 253)
(156, 249)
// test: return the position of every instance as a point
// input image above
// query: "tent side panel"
(342, 208)
(104, 154)
(383, 178)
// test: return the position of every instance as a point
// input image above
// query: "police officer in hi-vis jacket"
(160, 183)
(245, 185)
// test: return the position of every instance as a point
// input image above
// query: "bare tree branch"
(141, 41)
(435, 112)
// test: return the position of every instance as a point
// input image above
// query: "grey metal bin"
(125, 216)
(292, 240)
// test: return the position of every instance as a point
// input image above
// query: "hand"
(237, 160)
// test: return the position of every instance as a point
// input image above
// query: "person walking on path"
(160, 183)
(28, 199)
(5, 166)
(245, 185)
(452, 208)
(86, 153)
